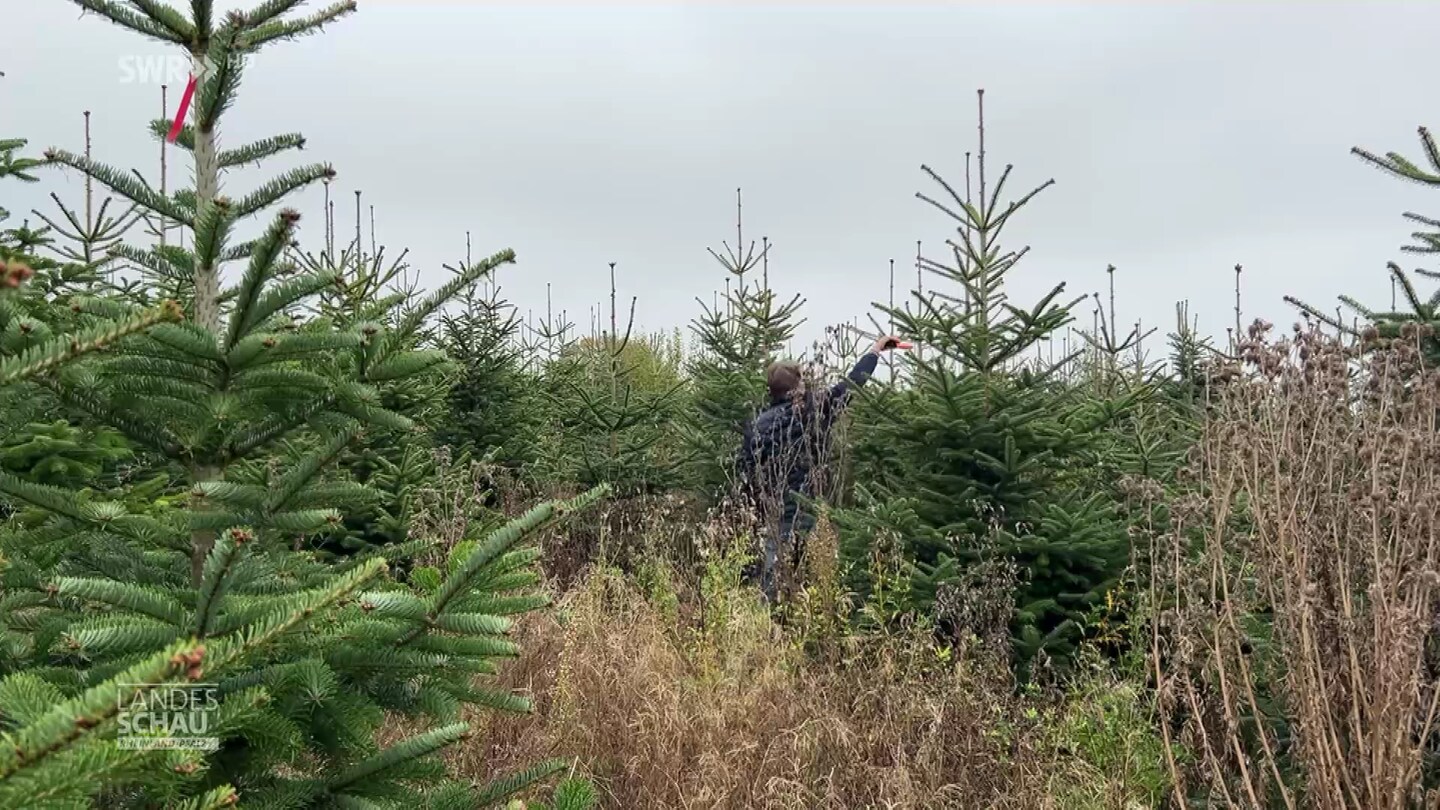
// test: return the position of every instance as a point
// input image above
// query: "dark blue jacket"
(787, 440)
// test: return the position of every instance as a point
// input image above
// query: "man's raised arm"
(864, 368)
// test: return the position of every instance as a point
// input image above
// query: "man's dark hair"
(783, 379)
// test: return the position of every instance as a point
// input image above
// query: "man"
(783, 446)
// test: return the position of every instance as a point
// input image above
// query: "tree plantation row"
(281, 529)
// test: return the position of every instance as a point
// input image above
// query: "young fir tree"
(491, 402)
(34, 445)
(376, 292)
(88, 234)
(981, 457)
(250, 406)
(619, 396)
(737, 339)
(549, 346)
(1423, 311)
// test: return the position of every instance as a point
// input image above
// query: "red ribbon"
(179, 123)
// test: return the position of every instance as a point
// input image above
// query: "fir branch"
(265, 630)
(274, 29)
(52, 499)
(269, 10)
(201, 12)
(150, 434)
(195, 343)
(283, 296)
(216, 578)
(185, 141)
(292, 379)
(399, 754)
(407, 364)
(124, 184)
(220, 798)
(261, 150)
(160, 263)
(170, 18)
(74, 719)
(374, 415)
(261, 348)
(17, 168)
(125, 18)
(507, 786)
(212, 228)
(275, 190)
(273, 428)
(58, 351)
(290, 485)
(500, 541)
(217, 92)
(124, 595)
(262, 266)
(414, 318)
(1401, 167)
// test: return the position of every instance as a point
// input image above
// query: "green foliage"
(983, 455)
(493, 403)
(59, 454)
(17, 168)
(209, 573)
(1389, 325)
(737, 340)
(618, 401)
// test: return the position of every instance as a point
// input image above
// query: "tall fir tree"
(738, 337)
(250, 403)
(981, 456)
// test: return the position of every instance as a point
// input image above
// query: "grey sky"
(1183, 138)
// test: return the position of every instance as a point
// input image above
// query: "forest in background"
(427, 551)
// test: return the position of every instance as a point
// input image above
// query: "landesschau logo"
(168, 717)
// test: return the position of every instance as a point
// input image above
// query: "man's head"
(784, 379)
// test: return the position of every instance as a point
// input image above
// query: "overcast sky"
(1183, 138)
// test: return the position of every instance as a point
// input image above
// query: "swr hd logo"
(172, 69)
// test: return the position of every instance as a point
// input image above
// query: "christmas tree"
(493, 404)
(618, 395)
(737, 339)
(1423, 310)
(247, 404)
(983, 456)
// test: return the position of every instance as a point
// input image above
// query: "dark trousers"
(787, 538)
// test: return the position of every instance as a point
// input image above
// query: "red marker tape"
(180, 114)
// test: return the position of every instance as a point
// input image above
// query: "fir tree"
(90, 233)
(375, 292)
(492, 403)
(981, 455)
(737, 340)
(619, 396)
(33, 444)
(251, 405)
(1423, 311)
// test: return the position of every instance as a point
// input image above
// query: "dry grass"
(665, 718)
(699, 699)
